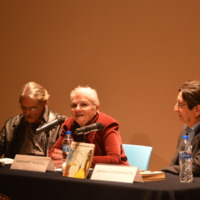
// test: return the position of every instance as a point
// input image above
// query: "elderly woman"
(85, 111)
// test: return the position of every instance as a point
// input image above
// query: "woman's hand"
(57, 158)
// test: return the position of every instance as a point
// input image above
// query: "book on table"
(152, 175)
(79, 160)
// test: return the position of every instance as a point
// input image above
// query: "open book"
(152, 175)
(79, 160)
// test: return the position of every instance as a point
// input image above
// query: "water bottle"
(185, 160)
(66, 145)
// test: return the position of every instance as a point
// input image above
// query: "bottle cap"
(185, 137)
(68, 132)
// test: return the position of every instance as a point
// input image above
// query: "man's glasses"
(181, 104)
(25, 109)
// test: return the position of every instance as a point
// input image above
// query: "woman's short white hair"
(86, 91)
(34, 91)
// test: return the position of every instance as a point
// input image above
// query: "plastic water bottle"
(185, 160)
(66, 145)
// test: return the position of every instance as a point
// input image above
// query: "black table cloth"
(19, 185)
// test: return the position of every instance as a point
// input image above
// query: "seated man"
(188, 109)
(85, 111)
(19, 135)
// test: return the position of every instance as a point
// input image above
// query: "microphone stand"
(81, 137)
(46, 148)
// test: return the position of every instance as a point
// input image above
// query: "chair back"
(138, 155)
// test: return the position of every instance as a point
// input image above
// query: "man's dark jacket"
(12, 134)
(174, 165)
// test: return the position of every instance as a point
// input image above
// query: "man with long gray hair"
(19, 135)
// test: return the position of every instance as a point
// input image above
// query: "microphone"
(87, 129)
(51, 124)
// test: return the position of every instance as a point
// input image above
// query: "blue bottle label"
(65, 148)
(185, 155)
